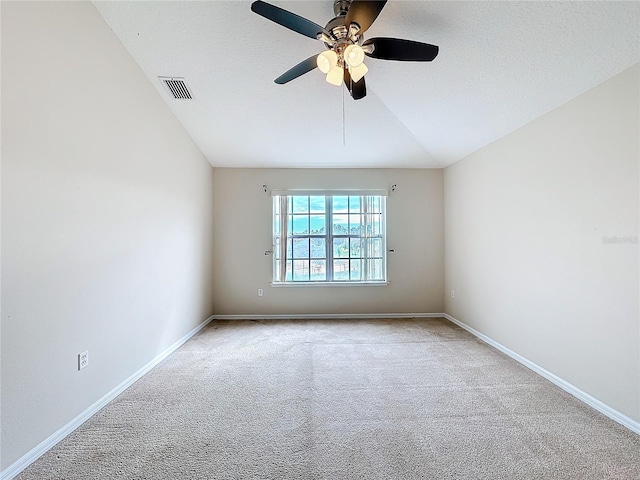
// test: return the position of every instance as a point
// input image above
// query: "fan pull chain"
(344, 135)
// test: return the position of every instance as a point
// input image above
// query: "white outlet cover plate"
(83, 359)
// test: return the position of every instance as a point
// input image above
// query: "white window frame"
(281, 199)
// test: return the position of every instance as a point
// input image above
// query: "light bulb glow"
(327, 60)
(335, 76)
(354, 55)
(358, 72)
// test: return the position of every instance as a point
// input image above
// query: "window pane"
(300, 204)
(376, 204)
(318, 248)
(276, 265)
(318, 270)
(340, 204)
(316, 204)
(317, 224)
(341, 224)
(354, 204)
(289, 270)
(340, 248)
(300, 270)
(300, 224)
(276, 248)
(354, 224)
(355, 270)
(289, 248)
(300, 248)
(375, 224)
(376, 247)
(375, 269)
(341, 269)
(355, 247)
(276, 225)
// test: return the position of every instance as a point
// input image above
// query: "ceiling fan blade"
(357, 90)
(287, 19)
(364, 13)
(300, 69)
(402, 50)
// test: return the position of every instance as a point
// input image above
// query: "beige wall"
(527, 221)
(106, 219)
(243, 233)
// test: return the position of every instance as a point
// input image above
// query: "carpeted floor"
(342, 399)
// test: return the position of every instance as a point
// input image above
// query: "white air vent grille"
(177, 88)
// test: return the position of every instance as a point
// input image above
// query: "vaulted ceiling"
(500, 66)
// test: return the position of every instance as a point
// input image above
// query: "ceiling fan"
(342, 61)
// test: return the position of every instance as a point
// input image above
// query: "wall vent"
(177, 88)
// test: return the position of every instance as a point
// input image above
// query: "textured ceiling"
(501, 65)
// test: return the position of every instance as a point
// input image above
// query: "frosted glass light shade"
(327, 60)
(354, 55)
(335, 76)
(358, 72)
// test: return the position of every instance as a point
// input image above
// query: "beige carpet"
(339, 399)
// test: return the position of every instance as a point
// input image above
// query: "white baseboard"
(601, 407)
(327, 316)
(32, 455)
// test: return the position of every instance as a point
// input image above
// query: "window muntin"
(329, 238)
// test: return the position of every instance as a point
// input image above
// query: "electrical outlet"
(260, 292)
(453, 294)
(83, 359)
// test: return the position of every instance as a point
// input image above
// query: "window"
(328, 238)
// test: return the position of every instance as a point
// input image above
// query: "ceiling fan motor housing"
(340, 7)
(337, 28)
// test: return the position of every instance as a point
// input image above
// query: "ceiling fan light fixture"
(354, 55)
(327, 60)
(358, 72)
(335, 76)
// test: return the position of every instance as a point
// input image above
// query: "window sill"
(329, 284)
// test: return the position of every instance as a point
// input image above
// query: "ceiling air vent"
(177, 88)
